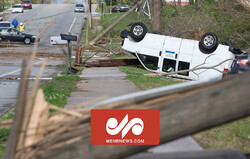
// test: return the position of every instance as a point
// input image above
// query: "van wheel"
(138, 31)
(27, 41)
(209, 41)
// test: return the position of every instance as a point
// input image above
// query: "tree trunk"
(157, 15)
(191, 1)
(196, 5)
(179, 7)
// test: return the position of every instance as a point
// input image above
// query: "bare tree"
(157, 15)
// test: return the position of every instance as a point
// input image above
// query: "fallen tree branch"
(199, 68)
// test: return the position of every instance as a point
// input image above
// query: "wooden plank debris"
(112, 63)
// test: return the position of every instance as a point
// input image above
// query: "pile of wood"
(185, 109)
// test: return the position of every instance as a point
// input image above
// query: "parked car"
(27, 4)
(17, 8)
(240, 64)
(163, 54)
(11, 34)
(79, 8)
(5, 24)
(120, 8)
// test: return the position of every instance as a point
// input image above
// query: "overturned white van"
(164, 54)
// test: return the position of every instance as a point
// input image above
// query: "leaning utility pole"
(157, 15)
(89, 5)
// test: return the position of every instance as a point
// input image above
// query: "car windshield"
(79, 5)
(26, 2)
(4, 24)
(17, 6)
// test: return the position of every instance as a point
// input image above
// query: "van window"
(151, 62)
(169, 65)
(183, 66)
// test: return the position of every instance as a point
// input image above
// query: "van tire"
(138, 31)
(209, 41)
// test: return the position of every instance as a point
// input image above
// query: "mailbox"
(68, 37)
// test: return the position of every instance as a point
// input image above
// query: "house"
(182, 2)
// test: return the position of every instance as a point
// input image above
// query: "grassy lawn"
(58, 89)
(142, 79)
(234, 135)
(4, 133)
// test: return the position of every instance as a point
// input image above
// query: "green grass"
(128, 56)
(59, 88)
(138, 75)
(234, 135)
(4, 133)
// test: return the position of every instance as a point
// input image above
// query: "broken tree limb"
(14, 137)
(113, 25)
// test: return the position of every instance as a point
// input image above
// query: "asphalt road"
(44, 20)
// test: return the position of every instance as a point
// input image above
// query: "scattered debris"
(112, 63)
(66, 134)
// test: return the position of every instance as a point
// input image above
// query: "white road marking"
(16, 70)
(72, 25)
(45, 78)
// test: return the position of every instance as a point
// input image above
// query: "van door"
(169, 54)
(151, 50)
(185, 57)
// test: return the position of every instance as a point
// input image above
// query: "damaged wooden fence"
(185, 109)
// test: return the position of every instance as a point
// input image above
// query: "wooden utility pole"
(89, 6)
(157, 15)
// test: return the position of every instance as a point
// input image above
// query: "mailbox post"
(69, 38)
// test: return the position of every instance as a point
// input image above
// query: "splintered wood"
(185, 109)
